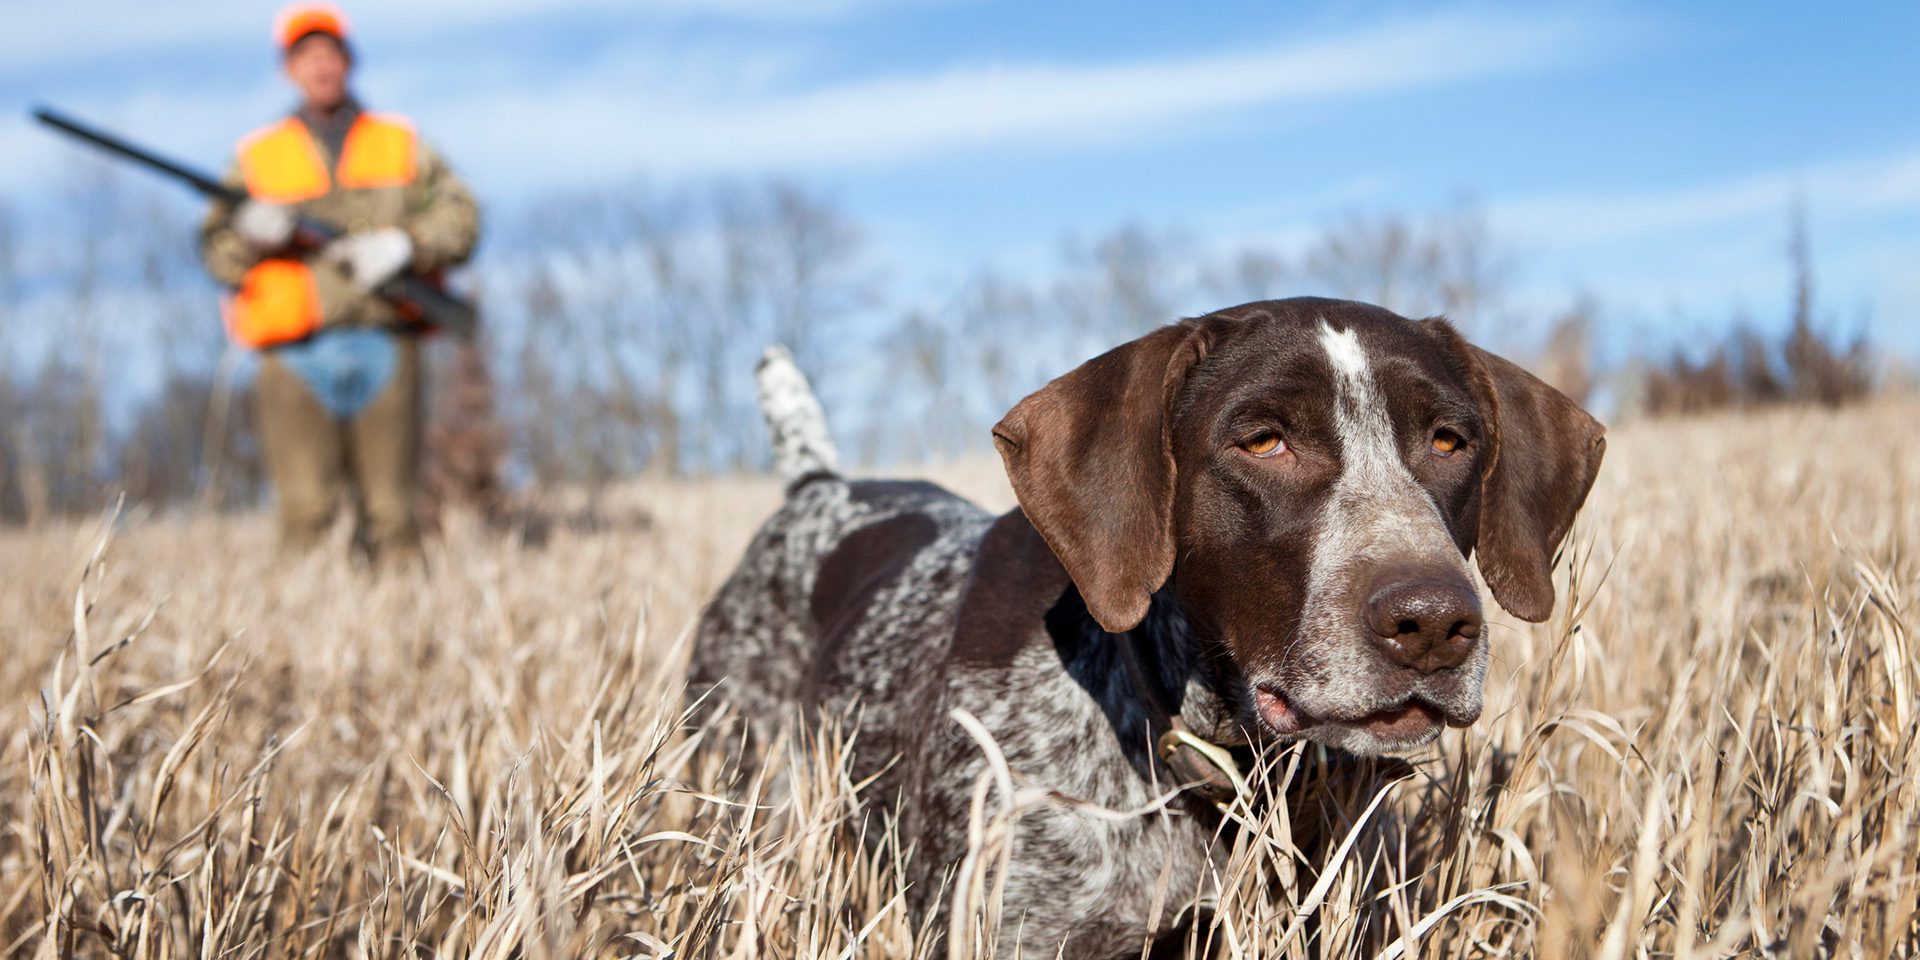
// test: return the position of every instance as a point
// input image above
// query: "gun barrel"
(107, 141)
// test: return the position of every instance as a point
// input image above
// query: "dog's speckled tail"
(801, 445)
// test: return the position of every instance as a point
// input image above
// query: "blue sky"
(1642, 153)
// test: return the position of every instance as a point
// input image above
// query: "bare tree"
(1819, 370)
(10, 407)
(1248, 276)
(1373, 259)
(812, 254)
(1448, 265)
(639, 313)
(927, 422)
(1566, 362)
(998, 320)
(1122, 285)
(951, 373)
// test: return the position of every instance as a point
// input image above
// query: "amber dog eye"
(1446, 442)
(1265, 445)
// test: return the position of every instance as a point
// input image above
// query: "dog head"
(1312, 476)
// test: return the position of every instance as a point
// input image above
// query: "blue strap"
(345, 368)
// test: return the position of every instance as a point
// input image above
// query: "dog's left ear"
(1092, 463)
(1544, 456)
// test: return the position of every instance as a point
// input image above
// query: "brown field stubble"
(1709, 751)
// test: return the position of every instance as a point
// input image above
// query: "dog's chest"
(1075, 867)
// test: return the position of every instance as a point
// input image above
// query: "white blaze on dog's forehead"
(1343, 348)
(1361, 420)
(1370, 461)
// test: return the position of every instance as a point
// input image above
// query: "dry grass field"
(1708, 751)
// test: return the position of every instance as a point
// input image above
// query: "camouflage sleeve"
(339, 298)
(444, 221)
(225, 253)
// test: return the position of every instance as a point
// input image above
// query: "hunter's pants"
(315, 456)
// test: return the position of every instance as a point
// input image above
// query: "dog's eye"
(1445, 442)
(1266, 444)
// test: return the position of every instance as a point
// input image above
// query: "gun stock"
(437, 306)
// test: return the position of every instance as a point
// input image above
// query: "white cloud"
(592, 128)
(1856, 187)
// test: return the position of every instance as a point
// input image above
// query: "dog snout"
(1426, 624)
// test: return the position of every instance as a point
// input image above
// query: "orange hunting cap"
(300, 19)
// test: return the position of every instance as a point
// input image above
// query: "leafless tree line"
(623, 325)
(967, 361)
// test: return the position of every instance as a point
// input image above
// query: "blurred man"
(338, 394)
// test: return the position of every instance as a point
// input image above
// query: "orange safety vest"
(278, 300)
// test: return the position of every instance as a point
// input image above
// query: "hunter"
(338, 398)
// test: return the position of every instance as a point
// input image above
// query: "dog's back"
(833, 600)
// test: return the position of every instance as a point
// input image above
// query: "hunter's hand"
(267, 226)
(372, 258)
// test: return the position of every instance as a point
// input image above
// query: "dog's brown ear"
(1092, 463)
(1545, 454)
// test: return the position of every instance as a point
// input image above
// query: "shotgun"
(436, 306)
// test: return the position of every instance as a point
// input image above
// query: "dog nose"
(1424, 624)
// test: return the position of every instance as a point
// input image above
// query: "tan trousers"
(314, 457)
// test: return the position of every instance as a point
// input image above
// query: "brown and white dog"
(1253, 525)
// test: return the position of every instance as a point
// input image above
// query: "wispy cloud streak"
(1872, 187)
(894, 118)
